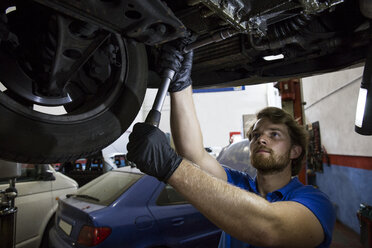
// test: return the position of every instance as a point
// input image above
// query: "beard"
(270, 164)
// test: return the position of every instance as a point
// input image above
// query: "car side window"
(169, 196)
(31, 172)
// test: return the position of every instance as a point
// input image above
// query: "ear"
(295, 151)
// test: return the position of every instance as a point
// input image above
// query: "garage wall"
(331, 99)
(220, 113)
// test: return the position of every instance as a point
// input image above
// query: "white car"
(39, 188)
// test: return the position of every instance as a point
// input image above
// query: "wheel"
(96, 79)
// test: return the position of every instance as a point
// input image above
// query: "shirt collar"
(294, 183)
(277, 194)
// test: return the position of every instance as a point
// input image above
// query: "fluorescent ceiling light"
(273, 57)
(361, 105)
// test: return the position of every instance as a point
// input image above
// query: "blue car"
(125, 208)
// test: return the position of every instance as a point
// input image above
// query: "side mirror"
(48, 175)
(44, 173)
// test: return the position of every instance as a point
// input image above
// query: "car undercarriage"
(95, 59)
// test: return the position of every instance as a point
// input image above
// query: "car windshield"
(107, 188)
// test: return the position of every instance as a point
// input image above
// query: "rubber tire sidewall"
(24, 139)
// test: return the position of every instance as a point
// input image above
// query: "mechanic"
(272, 210)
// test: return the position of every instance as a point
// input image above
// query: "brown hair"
(297, 133)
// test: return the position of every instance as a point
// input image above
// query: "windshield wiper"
(83, 196)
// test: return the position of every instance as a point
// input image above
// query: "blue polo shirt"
(312, 198)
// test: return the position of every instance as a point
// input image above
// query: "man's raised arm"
(187, 134)
(185, 126)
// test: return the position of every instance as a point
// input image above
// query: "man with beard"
(272, 210)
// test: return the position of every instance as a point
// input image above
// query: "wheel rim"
(98, 68)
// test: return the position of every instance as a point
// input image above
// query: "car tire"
(34, 137)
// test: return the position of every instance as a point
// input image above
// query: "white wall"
(220, 113)
(331, 99)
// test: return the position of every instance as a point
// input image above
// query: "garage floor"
(344, 237)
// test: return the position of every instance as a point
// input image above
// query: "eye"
(274, 134)
(255, 135)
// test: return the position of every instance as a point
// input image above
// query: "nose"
(262, 140)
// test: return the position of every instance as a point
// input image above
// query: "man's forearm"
(187, 135)
(185, 126)
(240, 213)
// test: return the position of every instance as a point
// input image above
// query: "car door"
(33, 202)
(180, 224)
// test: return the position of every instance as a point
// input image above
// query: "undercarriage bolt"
(161, 28)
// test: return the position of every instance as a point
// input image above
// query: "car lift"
(8, 210)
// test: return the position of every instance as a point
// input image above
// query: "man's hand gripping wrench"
(153, 117)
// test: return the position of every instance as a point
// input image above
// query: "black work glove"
(149, 149)
(173, 58)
